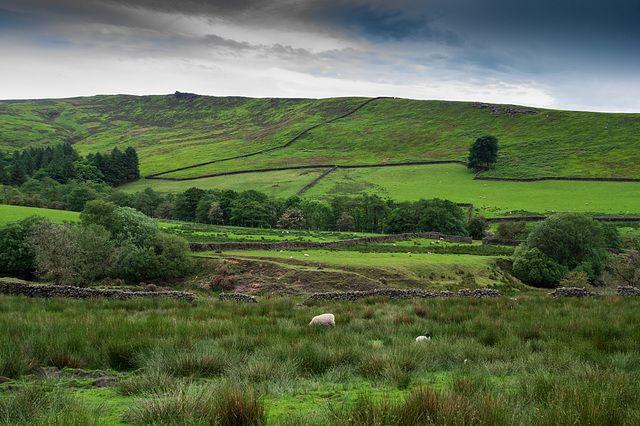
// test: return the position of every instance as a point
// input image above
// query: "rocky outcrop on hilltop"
(510, 110)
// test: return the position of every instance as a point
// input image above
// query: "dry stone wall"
(571, 292)
(627, 290)
(49, 291)
(394, 293)
(240, 297)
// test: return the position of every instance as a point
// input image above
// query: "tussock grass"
(46, 403)
(226, 405)
(499, 361)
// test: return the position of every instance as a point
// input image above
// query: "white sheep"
(426, 337)
(324, 319)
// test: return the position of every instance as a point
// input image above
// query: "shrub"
(510, 230)
(16, 257)
(477, 227)
(69, 254)
(134, 264)
(562, 243)
(535, 268)
(173, 256)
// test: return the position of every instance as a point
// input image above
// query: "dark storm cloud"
(554, 49)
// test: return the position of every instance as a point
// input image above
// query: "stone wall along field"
(49, 291)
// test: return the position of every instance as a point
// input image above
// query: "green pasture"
(200, 232)
(545, 143)
(435, 271)
(13, 213)
(489, 198)
(446, 181)
(281, 184)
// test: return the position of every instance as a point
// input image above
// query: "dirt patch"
(281, 277)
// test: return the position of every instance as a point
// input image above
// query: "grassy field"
(490, 198)
(529, 361)
(281, 184)
(447, 181)
(13, 213)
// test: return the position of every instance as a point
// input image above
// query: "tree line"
(63, 164)
(109, 242)
(364, 213)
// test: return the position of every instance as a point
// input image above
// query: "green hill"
(171, 132)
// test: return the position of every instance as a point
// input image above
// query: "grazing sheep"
(426, 337)
(324, 319)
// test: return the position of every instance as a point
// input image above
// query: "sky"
(560, 54)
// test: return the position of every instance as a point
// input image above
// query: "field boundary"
(368, 101)
(16, 288)
(284, 245)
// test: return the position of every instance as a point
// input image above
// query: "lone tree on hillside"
(483, 152)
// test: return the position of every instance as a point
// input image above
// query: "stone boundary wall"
(313, 182)
(156, 176)
(536, 179)
(541, 218)
(240, 297)
(502, 241)
(284, 245)
(394, 293)
(516, 219)
(47, 291)
(275, 169)
(571, 292)
(627, 290)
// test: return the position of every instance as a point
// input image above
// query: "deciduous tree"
(483, 152)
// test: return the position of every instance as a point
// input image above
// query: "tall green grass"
(499, 361)
(46, 402)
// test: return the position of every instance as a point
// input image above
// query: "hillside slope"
(171, 132)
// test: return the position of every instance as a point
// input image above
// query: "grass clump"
(45, 403)
(224, 405)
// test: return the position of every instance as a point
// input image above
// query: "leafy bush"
(16, 256)
(69, 254)
(611, 236)
(130, 225)
(510, 230)
(562, 243)
(134, 263)
(477, 227)
(173, 256)
(535, 268)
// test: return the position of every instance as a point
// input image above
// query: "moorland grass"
(46, 402)
(534, 360)
(169, 133)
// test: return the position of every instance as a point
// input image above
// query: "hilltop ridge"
(181, 130)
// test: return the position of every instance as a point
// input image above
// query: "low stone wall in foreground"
(48, 291)
(571, 292)
(627, 290)
(240, 297)
(394, 293)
